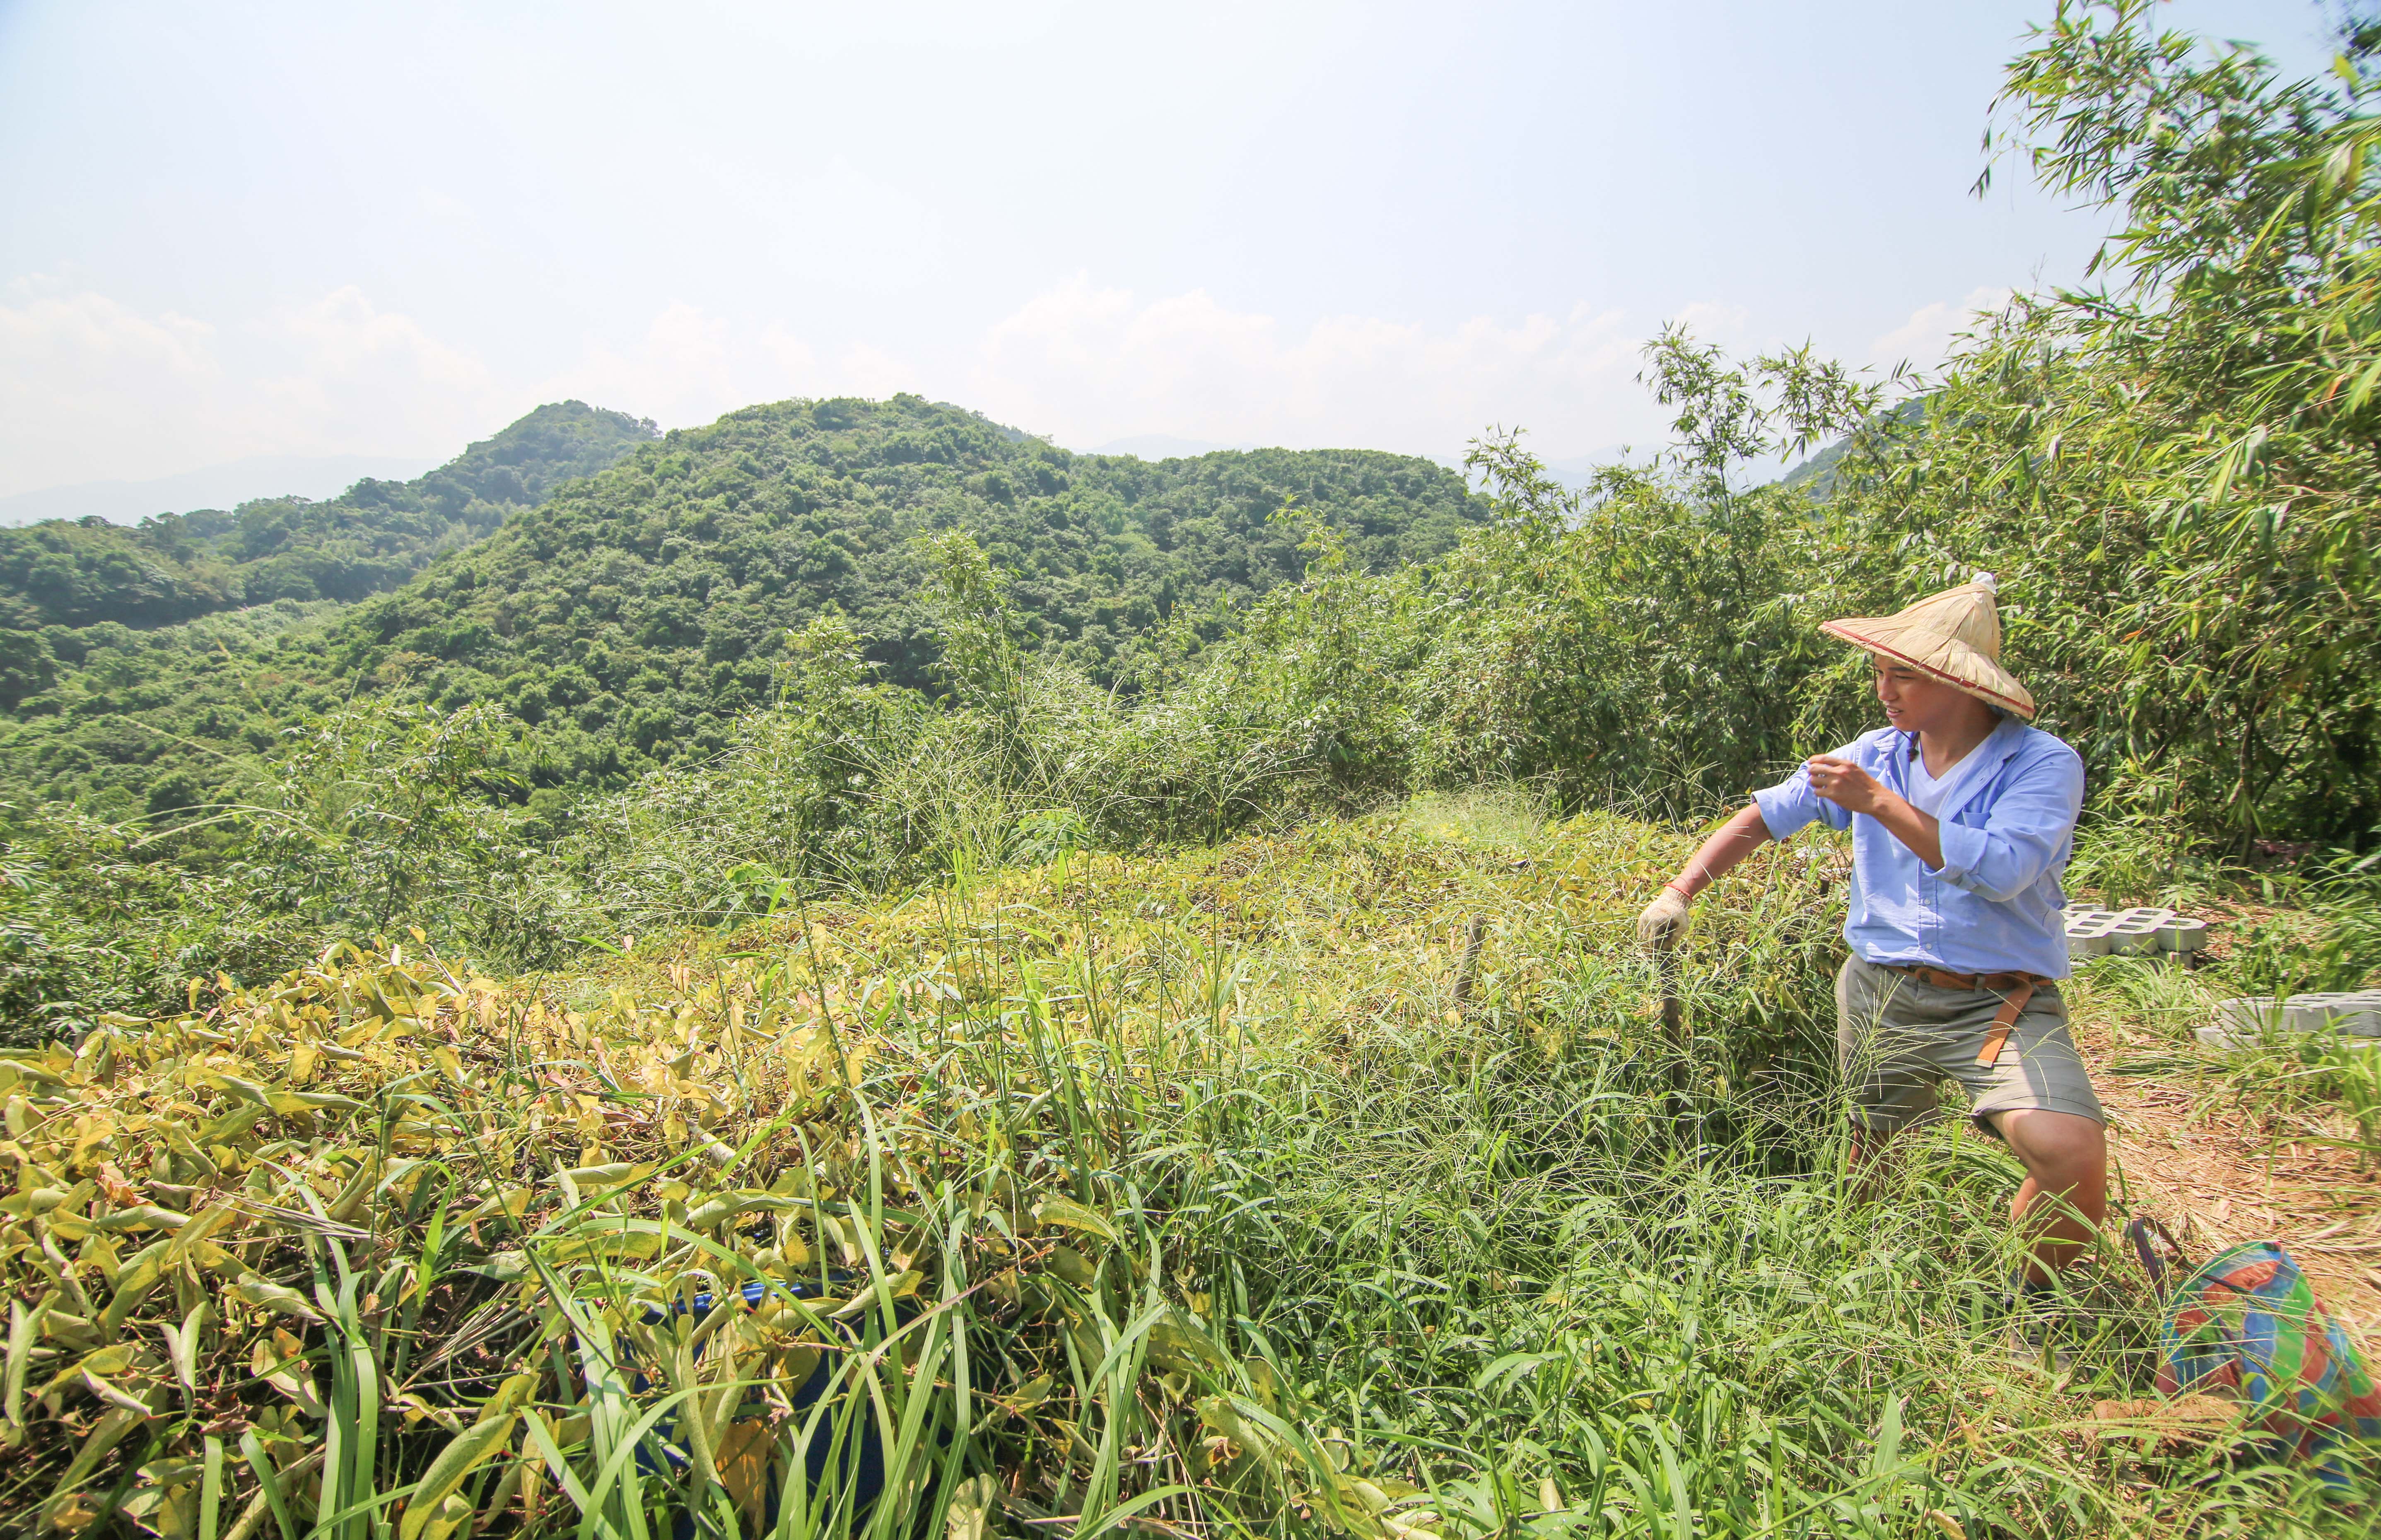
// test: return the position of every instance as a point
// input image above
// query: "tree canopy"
(625, 617)
(176, 566)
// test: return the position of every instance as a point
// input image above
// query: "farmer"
(1963, 818)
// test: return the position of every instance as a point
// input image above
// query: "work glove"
(1664, 921)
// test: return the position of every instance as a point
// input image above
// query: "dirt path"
(2215, 1182)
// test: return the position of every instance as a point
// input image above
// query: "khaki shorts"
(1897, 1039)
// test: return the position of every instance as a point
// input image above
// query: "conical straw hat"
(1954, 636)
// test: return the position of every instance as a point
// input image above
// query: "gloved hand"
(1664, 921)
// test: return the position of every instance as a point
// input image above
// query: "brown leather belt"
(2015, 989)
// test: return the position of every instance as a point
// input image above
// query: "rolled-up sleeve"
(2026, 829)
(1790, 805)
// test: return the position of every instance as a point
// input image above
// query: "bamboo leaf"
(266, 1295)
(1069, 1215)
(464, 1453)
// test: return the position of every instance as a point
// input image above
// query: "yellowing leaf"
(141, 1217)
(511, 1202)
(1073, 1265)
(1176, 1342)
(1070, 1214)
(969, 1514)
(271, 1296)
(583, 1182)
(299, 1386)
(1032, 1393)
(464, 1453)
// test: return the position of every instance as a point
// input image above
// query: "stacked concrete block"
(2131, 932)
(2250, 1019)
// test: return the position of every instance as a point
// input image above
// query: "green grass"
(1212, 1194)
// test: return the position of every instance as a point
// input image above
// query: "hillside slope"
(633, 616)
(373, 536)
(1816, 475)
(628, 618)
(316, 478)
(1255, 1129)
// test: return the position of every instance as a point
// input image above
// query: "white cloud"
(83, 334)
(1088, 364)
(675, 373)
(1931, 331)
(344, 333)
(92, 389)
(1711, 322)
(346, 374)
(690, 367)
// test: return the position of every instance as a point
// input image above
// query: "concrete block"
(2360, 1014)
(2087, 930)
(2247, 1016)
(2320, 1010)
(2133, 937)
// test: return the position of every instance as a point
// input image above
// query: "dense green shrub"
(630, 619)
(2175, 472)
(866, 644)
(178, 566)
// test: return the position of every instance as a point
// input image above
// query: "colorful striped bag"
(2246, 1323)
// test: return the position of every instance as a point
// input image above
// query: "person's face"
(1915, 702)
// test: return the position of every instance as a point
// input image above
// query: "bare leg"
(2066, 1157)
(1877, 1158)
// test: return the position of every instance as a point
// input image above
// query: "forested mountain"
(1816, 475)
(594, 723)
(373, 536)
(630, 617)
(634, 616)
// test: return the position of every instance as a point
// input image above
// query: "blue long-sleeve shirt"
(2008, 830)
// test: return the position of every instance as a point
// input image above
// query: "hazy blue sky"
(310, 229)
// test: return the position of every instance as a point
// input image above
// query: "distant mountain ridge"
(633, 615)
(1816, 475)
(317, 478)
(176, 566)
(627, 617)
(1156, 446)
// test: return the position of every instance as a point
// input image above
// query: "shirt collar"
(2001, 744)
